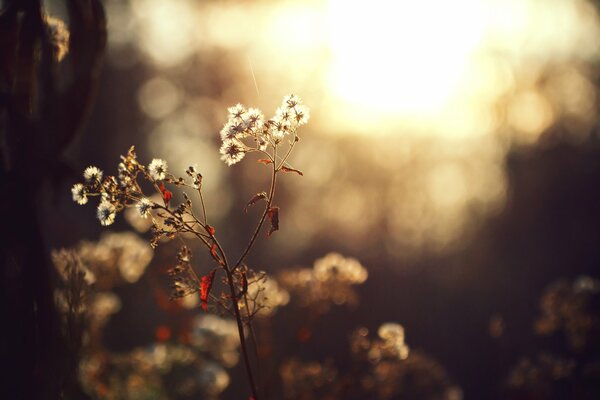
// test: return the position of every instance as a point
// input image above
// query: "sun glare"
(402, 57)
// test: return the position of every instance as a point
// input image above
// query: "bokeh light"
(442, 89)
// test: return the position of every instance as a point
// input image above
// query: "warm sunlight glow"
(435, 90)
(404, 57)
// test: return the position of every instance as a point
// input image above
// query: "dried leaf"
(211, 231)
(265, 161)
(256, 198)
(288, 169)
(166, 194)
(205, 286)
(213, 253)
(273, 215)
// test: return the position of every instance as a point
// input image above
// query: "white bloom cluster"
(144, 206)
(157, 169)
(123, 191)
(250, 123)
(79, 194)
(106, 213)
(92, 174)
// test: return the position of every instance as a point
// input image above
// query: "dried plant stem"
(118, 194)
(264, 215)
(240, 325)
(203, 206)
(253, 338)
(232, 286)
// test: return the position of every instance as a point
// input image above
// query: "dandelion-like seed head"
(79, 194)
(284, 115)
(232, 151)
(92, 174)
(291, 101)
(144, 206)
(233, 129)
(254, 119)
(237, 111)
(106, 213)
(157, 169)
(277, 129)
(301, 115)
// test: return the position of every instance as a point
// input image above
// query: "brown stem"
(240, 325)
(253, 337)
(263, 217)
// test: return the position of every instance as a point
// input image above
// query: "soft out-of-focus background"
(452, 148)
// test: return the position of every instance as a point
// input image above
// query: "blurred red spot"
(163, 333)
(102, 390)
(185, 337)
(304, 334)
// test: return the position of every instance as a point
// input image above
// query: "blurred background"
(453, 149)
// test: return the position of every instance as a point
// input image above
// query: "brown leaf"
(273, 215)
(287, 169)
(265, 161)
(257, 197)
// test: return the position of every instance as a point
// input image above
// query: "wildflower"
(276, 129)
(92, 174)
(302, 115)
(106, 213)
(144, 206)
(232, 151)
(291, 101)
(237, 111)
(79, 194)
(283, 116)
(297, 113)
(254, 119)
(232, 130)
(157, 169)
